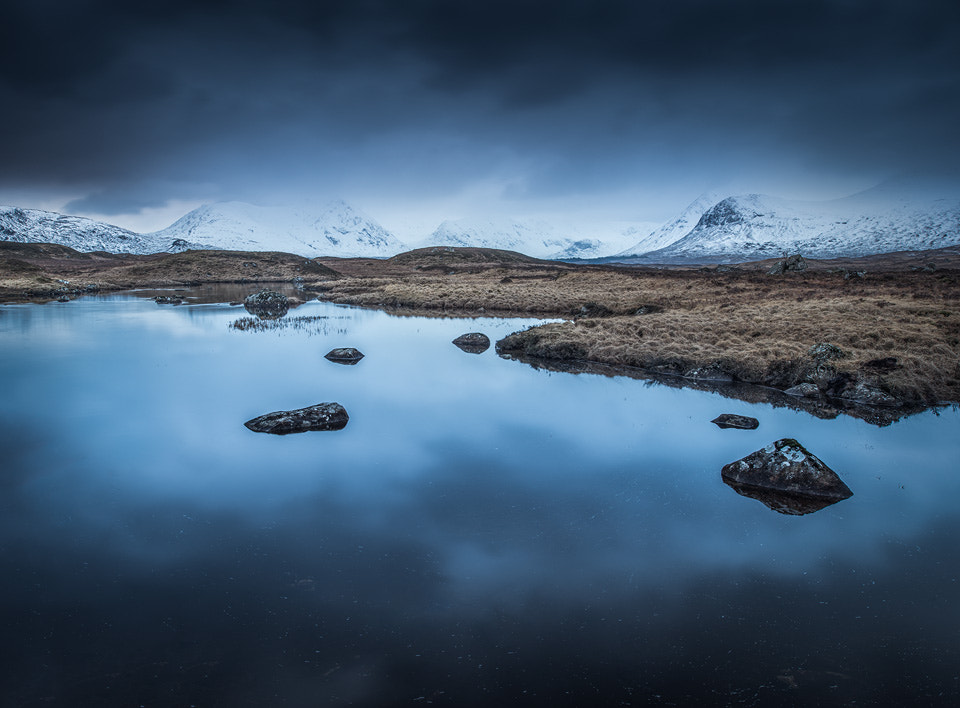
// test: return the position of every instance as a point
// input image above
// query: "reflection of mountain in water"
(783, 502)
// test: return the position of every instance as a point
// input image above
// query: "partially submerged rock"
(344, 355)
(786, 477)
(732, 420)
(267, 304)
(473, 343)
(168, 299)
(323, 416)
(804, 390)
(867, 390)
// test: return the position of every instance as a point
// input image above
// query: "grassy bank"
(892, 323)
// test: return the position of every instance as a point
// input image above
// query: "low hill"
(449, 256)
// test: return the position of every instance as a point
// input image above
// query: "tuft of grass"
(310, 325)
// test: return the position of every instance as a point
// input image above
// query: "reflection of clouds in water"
(511, 479)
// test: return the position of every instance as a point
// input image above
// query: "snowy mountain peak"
(81, 234)
(533, 237)
(674, 230)
(755, 226)
(332, 228)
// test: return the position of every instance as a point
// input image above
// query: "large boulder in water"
(786, 477)
(267, 304)
(323, 416)
(344, 355)
(473, 343)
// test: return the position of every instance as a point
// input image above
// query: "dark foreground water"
(481, 533)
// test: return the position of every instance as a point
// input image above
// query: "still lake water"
(481, 532)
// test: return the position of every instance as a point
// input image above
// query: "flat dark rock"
(344, 355)
(473, 343)
(787, 468)
(731, 420)
(267, 304)
(323, 416)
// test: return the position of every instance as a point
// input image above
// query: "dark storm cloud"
(135, 105)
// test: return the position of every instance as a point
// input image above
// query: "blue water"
(481, 532)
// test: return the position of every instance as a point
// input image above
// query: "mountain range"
(537, 238)
(711, 229)
(333, 228)
(755, 226)
(81, 234)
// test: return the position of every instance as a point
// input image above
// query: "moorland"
(879, 331)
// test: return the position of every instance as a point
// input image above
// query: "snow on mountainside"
(756, 226)
(537, 238)
(37, 226)
(330, 229)
(672, 231)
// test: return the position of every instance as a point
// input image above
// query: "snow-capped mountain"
(537, 238)
(756, 226)
(331, 229)
(671, 231)
(81, 234)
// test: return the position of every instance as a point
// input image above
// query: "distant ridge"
(81, 234)
(333, 228)
(736, 228)
(756, 226)
(535, 237)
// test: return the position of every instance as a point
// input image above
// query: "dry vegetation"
(44, 271)
(753, 326)
(898, 326)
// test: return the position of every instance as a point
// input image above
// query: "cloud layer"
(523, 102)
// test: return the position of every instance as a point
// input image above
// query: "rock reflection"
(782, 502)
(473, 343)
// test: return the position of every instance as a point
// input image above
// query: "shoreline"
(883, 339)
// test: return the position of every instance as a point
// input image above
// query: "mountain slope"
(755, 226)
(536, 238)
(81, 234)
(674, 230)
(332, 229)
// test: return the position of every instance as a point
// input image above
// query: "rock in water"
(323, 416)
(344, 355)
(731, 420)
(786, 477)
(267, 304)
(473, 343)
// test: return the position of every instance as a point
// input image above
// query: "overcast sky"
(431, 109)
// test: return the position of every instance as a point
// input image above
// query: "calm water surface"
(481, 532)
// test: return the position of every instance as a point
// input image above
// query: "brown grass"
(756, 327)
(37, 271)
